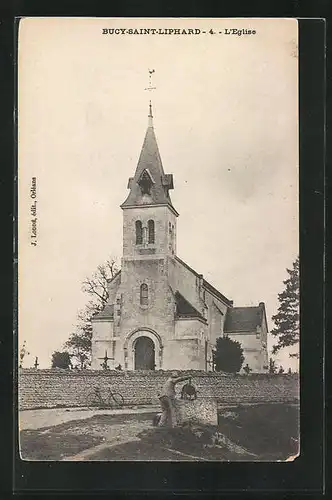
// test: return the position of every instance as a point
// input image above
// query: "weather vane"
(151, 71)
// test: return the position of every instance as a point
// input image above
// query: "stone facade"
(254, 354)
(161, 313)
(200, 411)
(249, 327)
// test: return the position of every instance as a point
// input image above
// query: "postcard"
(158, 245)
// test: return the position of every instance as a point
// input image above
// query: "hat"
(175, 374)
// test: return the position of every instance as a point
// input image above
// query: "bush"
(228, 356)
(61, 360)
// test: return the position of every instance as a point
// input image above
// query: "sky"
(226, 121)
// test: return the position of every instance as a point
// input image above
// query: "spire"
(150, 185)
(150, 116)
(150, 88)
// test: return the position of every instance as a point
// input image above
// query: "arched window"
(144, 295)
(151, 231)
(139, 232)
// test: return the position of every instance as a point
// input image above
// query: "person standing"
(167, 400)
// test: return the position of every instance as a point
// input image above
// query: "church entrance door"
(144, 354)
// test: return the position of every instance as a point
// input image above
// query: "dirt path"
(38, 419)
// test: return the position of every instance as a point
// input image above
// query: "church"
(161, 313)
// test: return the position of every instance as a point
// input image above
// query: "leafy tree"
(96, 287)
(23, 353)
(79, 346)
(228, 355)
(61, 360)
(287, 319)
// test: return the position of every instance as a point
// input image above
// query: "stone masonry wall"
(55, 388)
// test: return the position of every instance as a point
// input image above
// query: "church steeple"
(150, 185)
(150, 116)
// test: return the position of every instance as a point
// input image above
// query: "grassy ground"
(179, 444)
(53, 445)
(264, 432)
(271, 431)
(144, 451)
(58, 442)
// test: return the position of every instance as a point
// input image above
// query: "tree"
(61, 360)
(287, 319)
(228, 355)
(23, 353)
(96, 287)
(79, 346)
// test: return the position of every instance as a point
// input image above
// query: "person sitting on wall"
(167, 400)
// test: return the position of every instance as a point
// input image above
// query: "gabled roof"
(184, 309)
(107, 312)
(150, 162)
(206, 284)
(216, 292)
(244, 319)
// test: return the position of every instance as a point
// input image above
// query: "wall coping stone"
(150, 373)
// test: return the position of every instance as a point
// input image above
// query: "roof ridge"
(246, 307)
(205, 282)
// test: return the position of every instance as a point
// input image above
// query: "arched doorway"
(130, 343)
(144, 354)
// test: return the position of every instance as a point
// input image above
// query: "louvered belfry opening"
(151, 231)
(145, 183)
(139, 232)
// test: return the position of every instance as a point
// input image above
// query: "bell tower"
(146, 316)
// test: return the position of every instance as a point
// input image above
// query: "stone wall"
(52, 388)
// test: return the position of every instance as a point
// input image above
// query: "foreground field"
(261, 432)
